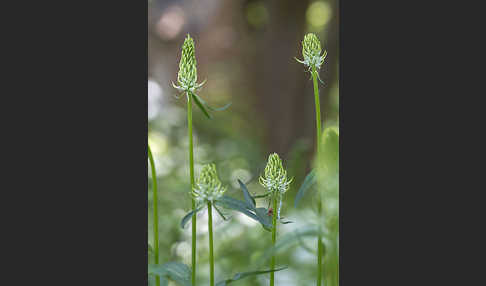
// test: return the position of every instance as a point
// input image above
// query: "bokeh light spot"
(256, 14)
(318, 15)
(154, 99)
(170, 23)
(158, 143)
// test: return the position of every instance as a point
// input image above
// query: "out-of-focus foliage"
(229, 37)
(328, 185)
(175, 271)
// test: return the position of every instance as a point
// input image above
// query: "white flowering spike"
(208, 186)
(187, 76)
(311, 51)
(275, 179)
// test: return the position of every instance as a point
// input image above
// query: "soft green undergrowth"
(171, 270)
(209, 195)
(324, 178)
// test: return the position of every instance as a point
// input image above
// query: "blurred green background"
(245, 50)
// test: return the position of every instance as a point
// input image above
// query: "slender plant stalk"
(274, 239)
(211, 256)
(191, 170)
(156, 217)
(319, 203)
(276, 182)
(209, 190)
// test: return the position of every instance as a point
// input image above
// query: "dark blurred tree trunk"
(284, 90)
(279, 78)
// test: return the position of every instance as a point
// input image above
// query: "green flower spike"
(311, 51)
(208, 187)
(275, 178)
(187, 76)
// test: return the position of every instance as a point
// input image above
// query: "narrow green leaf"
(219, 108)
(237, 205)
(309, 181)
(156, 269)
(242, 207)
(199, 104)
(285, 222)
(248, 198)
(186, 218)
(242, 275)
(212, 108)
(178, 272)
(264, 218)
(261, 196)
(261, 213)
(219, 212)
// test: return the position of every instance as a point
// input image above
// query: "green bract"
(187, 76)
(311, 51)
(208, 186)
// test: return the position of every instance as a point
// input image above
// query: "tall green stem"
(211, 256)
(274, 238)
(156, 217)
(191, 171)
(319, 203)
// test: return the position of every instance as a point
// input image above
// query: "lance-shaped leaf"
(212, 108)
(263, 216)
(178, 272)
(189, 215)
(244, 208)
(248, 198)
(261, 213)
(199, 104)
(219, 108)
(309, 181)
(219, 212)
(285, 221)
(237, 205)
(242, 275)
(204, 106)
